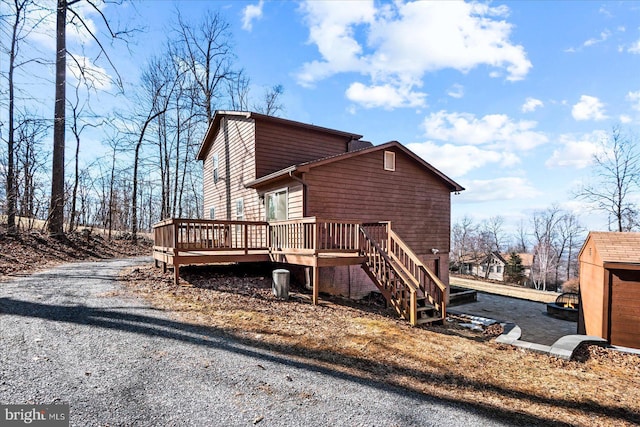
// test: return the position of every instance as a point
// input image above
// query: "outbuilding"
(610, 287)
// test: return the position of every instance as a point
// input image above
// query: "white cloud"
(625, 119)
(588, 108)
(386, 96)
(251, 13)
(634, 48)
(576, 151)
(496, 131)
(400, 45)
(456, 91)
(45, 31)
(83, 68)
(604, 35)
(458, 160)
(506, 188)
(531, 104)
(634, 98)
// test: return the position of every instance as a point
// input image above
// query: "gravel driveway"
(67, 335)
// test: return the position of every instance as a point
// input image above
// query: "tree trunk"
(56, 209)
(11, 186)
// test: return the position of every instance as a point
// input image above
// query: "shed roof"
(615, 247)
(214, 126)
(304, 167)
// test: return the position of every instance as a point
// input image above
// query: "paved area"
(530, 316)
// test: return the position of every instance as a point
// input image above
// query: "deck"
(311, 242)
(409, 286)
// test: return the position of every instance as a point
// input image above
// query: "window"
(240, 210)
(276, 205)
(212, 213)
(389, 161)
(215, 168)
(499, 269)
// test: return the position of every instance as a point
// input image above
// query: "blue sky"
(510, 99)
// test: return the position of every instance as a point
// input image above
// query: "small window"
(212, 213)
(389, 161)
(499, 269)
(215, 168)
(240, 210)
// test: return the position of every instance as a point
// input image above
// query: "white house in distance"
(495, 263)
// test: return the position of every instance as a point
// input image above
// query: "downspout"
(304, 192)
(227, 167)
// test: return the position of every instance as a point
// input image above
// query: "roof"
(214, 126)
(305, 167)
(615, 247)
(526, 258)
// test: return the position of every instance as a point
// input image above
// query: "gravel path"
(67, 335)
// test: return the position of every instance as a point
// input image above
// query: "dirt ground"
(34, 250)
(601, 387)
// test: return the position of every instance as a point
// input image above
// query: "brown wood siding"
(625, 308)
(592, 298)
(417, 203)
(278, 147)
(240, 132)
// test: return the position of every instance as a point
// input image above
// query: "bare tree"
(462, 235)
(545, 255)
(56, 210)
(493, 228)
(238, 92)
(568, 239)
(521, 238)
(155, 85)
(270, 103)
(207, 52)
(617, 175)
(19, 30)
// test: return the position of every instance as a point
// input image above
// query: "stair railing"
(427, 281)
(396, 286)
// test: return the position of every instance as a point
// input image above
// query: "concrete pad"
(510, 335)
(531, 316)
(565, 346)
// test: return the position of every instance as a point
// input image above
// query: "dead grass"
(367, 341)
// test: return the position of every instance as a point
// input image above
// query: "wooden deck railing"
(306, 235)
(313, 235)
(426, 280)
(210, 235)
(397, 288)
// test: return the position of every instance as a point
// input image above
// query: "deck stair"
(410, 287)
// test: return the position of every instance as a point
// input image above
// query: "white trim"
(389, 161)
(215, 164)
(284, 190)
(240, 208)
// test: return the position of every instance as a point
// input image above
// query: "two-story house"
(259, 168)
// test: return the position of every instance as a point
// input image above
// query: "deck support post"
(164, 267)
(176, 274)
(315, 282)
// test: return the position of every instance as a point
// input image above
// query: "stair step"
(428, 308)
(432, 319)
